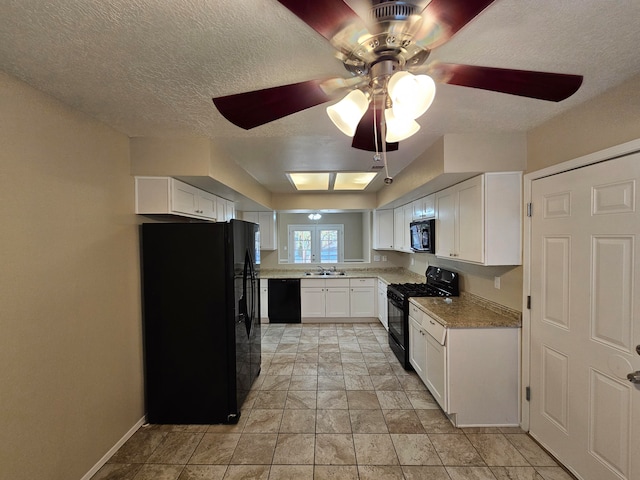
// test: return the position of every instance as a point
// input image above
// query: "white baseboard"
(114, 449)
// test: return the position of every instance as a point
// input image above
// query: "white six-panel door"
(585, 318)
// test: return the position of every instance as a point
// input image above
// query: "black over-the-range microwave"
(423, 236)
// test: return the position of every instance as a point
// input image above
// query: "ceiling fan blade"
(553, 87)
(444, 18)
(252, 109)
(365, 138)
(327, 17)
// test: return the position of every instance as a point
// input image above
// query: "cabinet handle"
(432, 322)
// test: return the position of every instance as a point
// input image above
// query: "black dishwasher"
(284, 300)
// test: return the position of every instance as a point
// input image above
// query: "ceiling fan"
(382, 52)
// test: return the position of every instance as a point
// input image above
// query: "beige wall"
(70, 342)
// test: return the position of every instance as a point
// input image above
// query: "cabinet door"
(470, 221)
(207, 205)
(398, 229)
(428, 206)
(383, 230)
(445, 223)
(229, 211)
(184, 198)
(267, 230)
(408, 216)
(264, 299)
(436, 370)
(312, 302)
(363, 302)
(336, 301)
(382, 304)
(220, 209)
(417, 348)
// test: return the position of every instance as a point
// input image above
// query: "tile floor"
(332, 403)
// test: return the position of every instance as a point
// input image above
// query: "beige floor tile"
(374, 449)
(423, 473)
(350, 347)
(298, 421)
(281, 368)
(553, 473)
(330, 382)
(306, 357)
(470, 473)
(530, 450)
(295, 449)
(355, 368)
(254, 449)
(300, 368)
(286, 348)
(354, 357)
(263, 421)
(455, 449)
(434, 421)
(332, 399)
(363, 400)
(306, 382)
(333, 421)
(158, 472)
(322, 472)
(515, 473)
(308, 348)
(117, 471)
(176, 448)
(385, 382)
(215, 449)
(203, 472)
(368, 421)
(270, 399)
(415, 449)
(403, 421)
(329, 357)
(496, 450)
(328, 347)
(276, 382)
(244, 472)
(283, 358)
(422, 400)
(376, 367)
(391, 400)
(231, 427)
(335, 449)
(377, 472)
(301, 399)
(333, 368)
(411, 382)
(358, 382)
(291, 472)
(139, 447)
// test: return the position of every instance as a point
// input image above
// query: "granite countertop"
(387, 275)
(468, 311)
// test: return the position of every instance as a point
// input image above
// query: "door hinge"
(528, 394)
(529, 209)
(528, 302)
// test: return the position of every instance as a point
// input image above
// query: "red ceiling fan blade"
(444, 18)
(365, 138)
(327, 17)
(252, 109)
(553, 87)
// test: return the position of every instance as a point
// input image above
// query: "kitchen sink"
(325, 274)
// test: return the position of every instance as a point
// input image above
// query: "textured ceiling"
(151, 67)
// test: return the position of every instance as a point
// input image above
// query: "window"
(316, 243)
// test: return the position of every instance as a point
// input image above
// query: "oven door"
(396, 321)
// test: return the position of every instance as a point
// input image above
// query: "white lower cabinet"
(264, 298)
(320, 298)
(383, 306)
(338, 297)
(362, 297)
(473, 373)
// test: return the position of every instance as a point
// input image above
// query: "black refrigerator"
(201, 314)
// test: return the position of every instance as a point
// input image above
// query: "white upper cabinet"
(480, 219)
(166, 195)
(402, 217)
(424, 208)
(268, 232)
(383, 230)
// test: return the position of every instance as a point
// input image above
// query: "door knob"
(634, 377)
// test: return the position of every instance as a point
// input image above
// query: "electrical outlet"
(376, 258)
(496, 282)
(384, 258)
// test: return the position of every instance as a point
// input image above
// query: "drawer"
(362, 282)
(415, 312)
(336, 282)
(433, 328)
(312, 282)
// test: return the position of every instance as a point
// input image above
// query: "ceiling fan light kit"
(347, 113)
(385, 51)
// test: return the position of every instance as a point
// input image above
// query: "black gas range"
(440, 283)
